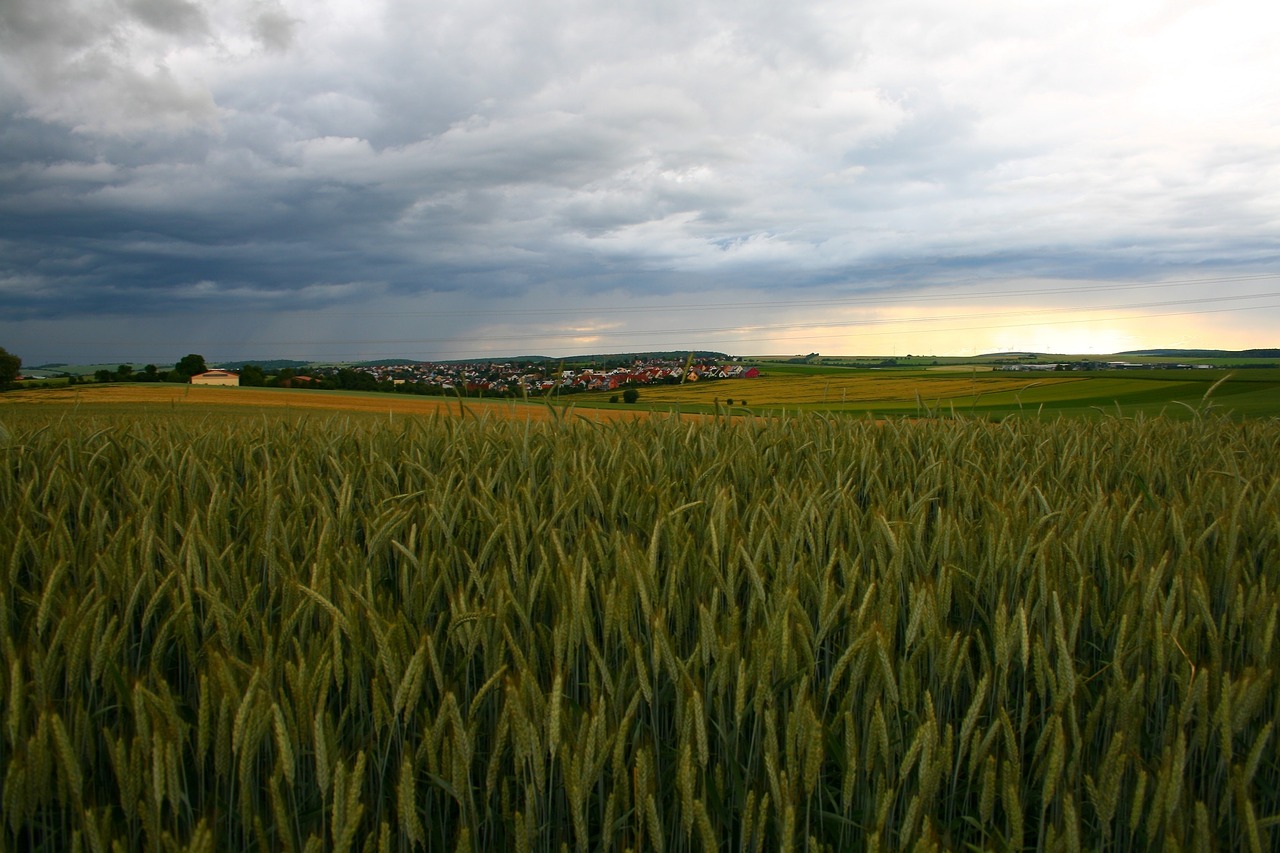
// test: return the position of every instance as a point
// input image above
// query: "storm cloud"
(365, 179)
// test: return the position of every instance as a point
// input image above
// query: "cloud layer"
(399, 177)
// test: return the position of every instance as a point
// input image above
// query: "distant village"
(531, 377)
(516, 379)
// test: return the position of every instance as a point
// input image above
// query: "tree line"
(182, 371)
(10, 365)
(186, 367)
(252, 375)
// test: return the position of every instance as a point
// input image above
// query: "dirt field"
(172, 395)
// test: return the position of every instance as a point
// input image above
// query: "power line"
(762, 333)
(744, 305)
(850, 300)
(884, 321)
(626, 346)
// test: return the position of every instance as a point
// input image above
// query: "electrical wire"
(851, 300)
(633, 341)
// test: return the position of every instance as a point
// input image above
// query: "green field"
(305, 631)
(973, 391)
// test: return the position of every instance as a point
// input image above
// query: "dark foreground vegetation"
(343, 634)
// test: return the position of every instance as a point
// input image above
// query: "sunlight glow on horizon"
(1058, 331)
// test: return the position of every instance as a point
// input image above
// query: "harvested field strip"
(167, 396)
(791, 390)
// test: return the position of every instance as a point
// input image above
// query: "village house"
(216, 377)
(515, 379)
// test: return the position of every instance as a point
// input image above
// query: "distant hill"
(515, 359)
(1205, 353)
(386, 362)
(1152, 353)
(645, 356)
(268, 364)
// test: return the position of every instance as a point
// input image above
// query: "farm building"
(216, 377)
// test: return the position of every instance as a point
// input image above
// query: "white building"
(216, 377)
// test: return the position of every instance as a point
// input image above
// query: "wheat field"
(355, 634)
(302, 402)
(849, 387)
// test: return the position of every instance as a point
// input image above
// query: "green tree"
(252, 375)
(9, 367)
(630, 395)
(124, 372)
(190, 365)
(104, 375)
(150, 373)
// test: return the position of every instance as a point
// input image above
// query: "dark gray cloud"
(172, 17)
(273, 27)
(356, 171)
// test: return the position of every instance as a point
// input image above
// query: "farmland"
(974, 391)
(267, 629)
(164, 399)
(934, 391)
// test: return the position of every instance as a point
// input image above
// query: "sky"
(345, 180)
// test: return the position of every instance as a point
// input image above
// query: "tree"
(630, 395)
(124, 372)
(355, 380)
(9, 367)
(150, 373)
(252, 375)
(190, 365)
(104, 375)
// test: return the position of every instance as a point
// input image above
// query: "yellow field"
(766, 391)
(790, 389)
(173, 395)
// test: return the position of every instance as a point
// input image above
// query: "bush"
(630, 395)
(613, 398)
